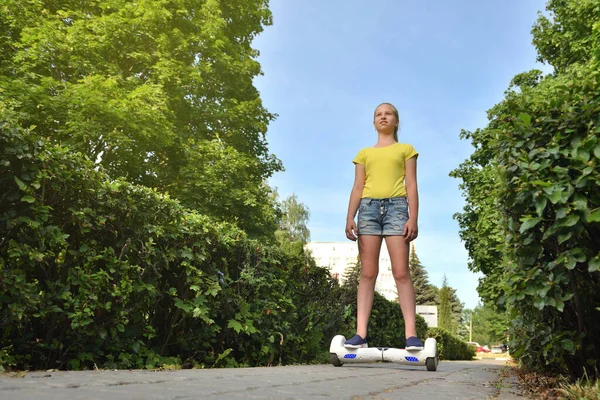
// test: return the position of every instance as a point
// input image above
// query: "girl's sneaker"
(413, 343)
(356, 342)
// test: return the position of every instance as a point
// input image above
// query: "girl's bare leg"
(398, 248)
(369, 247)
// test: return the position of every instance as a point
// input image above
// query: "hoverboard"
(427, 357)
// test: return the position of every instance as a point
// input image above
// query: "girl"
(385, 176)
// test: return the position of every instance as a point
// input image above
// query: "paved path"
(480, 379)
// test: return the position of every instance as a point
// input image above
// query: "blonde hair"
(395, 110)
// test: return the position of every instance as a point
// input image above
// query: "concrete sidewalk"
(479, 379)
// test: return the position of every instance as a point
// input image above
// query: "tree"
(445, 307)
(479, 228)
(295, 216)
(425, 292)
(293, 233)
(490, 325)
(566, 36)
(160, 93)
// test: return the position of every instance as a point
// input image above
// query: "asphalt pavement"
(478, 379)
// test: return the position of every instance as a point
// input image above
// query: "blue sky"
(328, 63)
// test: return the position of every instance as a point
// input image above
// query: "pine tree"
(456, 308)
(425, 292)
(350, 279)
(351, 275)
(445, 308)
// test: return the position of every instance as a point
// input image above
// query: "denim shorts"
(382, 217)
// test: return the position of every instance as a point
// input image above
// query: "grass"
(552, 387)
(584, 388)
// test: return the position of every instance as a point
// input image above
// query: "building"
(430, 314)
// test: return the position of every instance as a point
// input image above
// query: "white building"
(338, 256)
(430, 314)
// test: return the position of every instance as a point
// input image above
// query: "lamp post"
(471, 327)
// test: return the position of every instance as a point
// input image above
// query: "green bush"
(99, 272)
(548, 156)
(532, 219)
(451, 347)
(386, 324)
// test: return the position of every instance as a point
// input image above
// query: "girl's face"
(385, 118)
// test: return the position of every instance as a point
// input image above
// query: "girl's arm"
(355, 195)
(411, 229)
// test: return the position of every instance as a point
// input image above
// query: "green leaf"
(580, 203)
(28, 199)
(250, 327)
(597, 150)
(578, 253)
(553, 150)
(573, 257)
(526, 118)
(594, 216)
(563, 237)
(555, 196)
(581, 154)
(569, 221)
(222, 356)
(20, 183)
(568, 345)
(530, 290)
(541, 183)
(594, 264)
(197, 312)
(528, 224)
(235, 325)
(561, 213)
(540, 205)
(539, 303)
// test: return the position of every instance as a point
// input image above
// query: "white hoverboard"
(427, 357)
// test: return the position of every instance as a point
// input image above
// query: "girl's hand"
(351, 229)
(411, 231)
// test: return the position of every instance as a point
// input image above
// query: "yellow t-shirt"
(384, 169)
